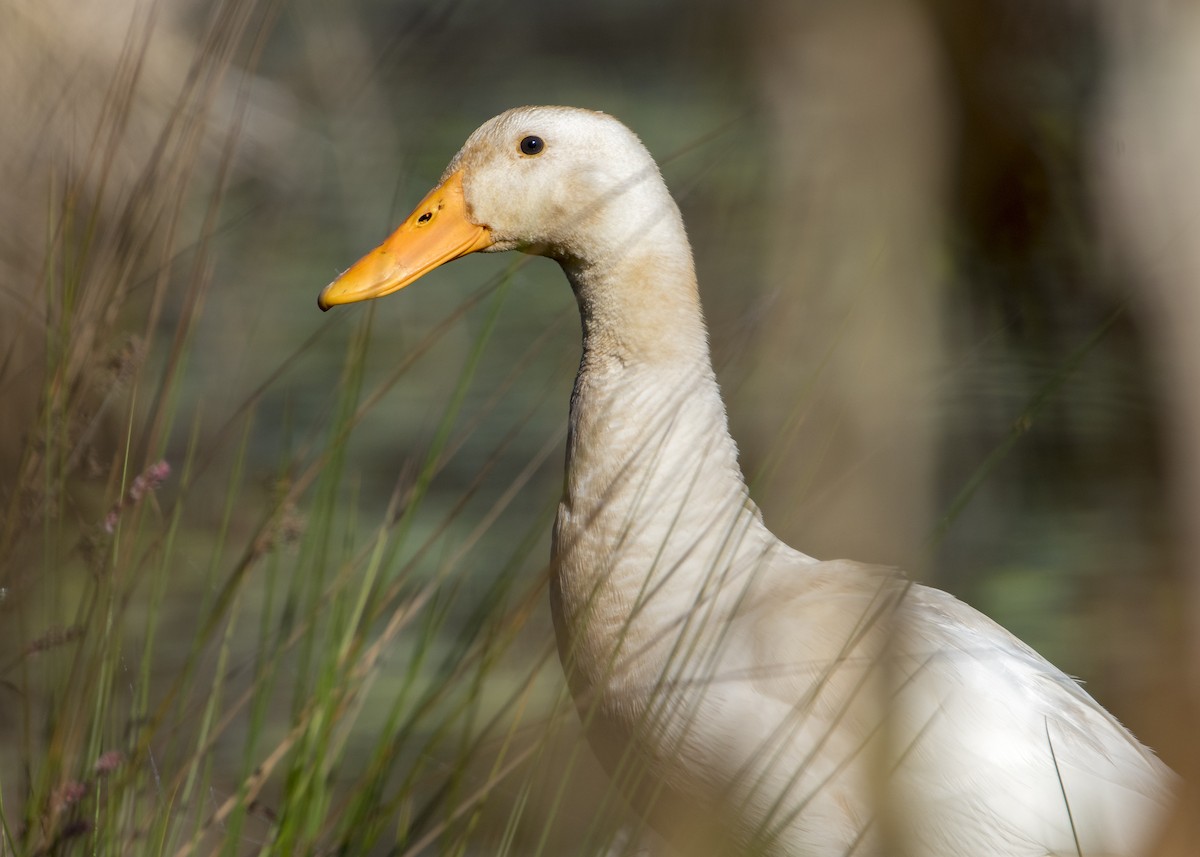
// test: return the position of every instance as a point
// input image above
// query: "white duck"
(747, 697)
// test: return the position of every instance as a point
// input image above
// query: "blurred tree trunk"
(848, 427)
(1148, 166)
(935, 261)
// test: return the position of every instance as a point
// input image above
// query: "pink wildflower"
(144, 483)
(68, 794)
(109, 762)
(151, 478)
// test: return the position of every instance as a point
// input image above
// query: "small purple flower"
(109, 762)
(148, 480)
(68, 794)
(144, 483)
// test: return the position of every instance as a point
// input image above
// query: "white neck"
(655, 516)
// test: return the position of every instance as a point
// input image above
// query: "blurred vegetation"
(325, 630)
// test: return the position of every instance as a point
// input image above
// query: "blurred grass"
(325, 631)
(210, 676)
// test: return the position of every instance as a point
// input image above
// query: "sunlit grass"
(210, 664)
(301, 601)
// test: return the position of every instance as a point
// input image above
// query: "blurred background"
(948, 254)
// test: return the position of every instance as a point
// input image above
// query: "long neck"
(655, 521)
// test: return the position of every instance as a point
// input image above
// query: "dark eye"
(532, 145)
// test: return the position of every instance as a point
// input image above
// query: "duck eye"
(532, 145)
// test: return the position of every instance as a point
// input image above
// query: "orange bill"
(436, 232)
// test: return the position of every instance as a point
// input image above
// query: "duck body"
(746, 697)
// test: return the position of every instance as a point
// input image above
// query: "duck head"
(574, 185)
